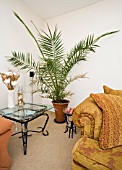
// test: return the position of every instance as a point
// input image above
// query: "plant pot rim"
(63, 101)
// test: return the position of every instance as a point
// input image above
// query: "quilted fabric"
(87, 153)
(88, 116)
(108, 90)
(111, 133)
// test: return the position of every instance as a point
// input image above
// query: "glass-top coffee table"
(24, 115)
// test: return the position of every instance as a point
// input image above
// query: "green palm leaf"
(22, 60)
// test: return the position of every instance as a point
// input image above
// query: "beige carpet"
(53, 152)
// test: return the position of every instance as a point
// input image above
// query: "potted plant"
(52, 70)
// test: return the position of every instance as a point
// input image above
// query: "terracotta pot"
(59, 114)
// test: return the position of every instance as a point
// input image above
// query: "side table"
(69, 123)
(25, 114)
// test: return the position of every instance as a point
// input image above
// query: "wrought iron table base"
(24, 131)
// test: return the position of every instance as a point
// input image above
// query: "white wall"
(104, 66)
(14, 37)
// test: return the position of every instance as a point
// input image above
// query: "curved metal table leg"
(43, 128)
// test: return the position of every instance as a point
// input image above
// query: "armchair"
(5, 134)
(100, 145)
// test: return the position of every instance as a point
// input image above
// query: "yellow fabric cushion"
(108, 90)
(87, 153)
(111, 132)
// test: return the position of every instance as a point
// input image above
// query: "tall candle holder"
(20, 97)
(32, 76)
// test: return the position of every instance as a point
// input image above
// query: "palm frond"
(68, 94)
(30, 32)
(21, 60)
(103, 35)
(51, 45)
(76, 77)
(80, 51)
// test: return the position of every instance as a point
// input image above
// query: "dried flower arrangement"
(10, 79)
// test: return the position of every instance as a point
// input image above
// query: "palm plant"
(52, 70)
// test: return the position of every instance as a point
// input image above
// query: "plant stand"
(69, 124)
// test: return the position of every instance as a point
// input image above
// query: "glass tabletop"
(25, 113)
